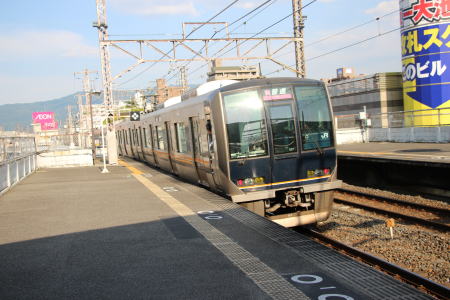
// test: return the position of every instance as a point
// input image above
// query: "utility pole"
(69, 121)
(102, 27)
(183, 78)
(81, 123)
(88, 94)
(299, 24)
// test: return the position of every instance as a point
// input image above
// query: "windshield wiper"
(316, 144)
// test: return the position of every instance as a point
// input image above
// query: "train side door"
(201, 152)
(141, 143)
(280, 109)
(170, 147)
(154, 142)
(130, 132)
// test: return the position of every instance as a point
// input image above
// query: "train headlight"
(249, 181)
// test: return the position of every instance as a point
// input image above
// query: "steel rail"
(416, 280)
(420, 221)
(429, 208)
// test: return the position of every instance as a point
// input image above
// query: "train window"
(151, 136)
(246, 128)
(139, 136)
(155, 137)
(136, 136)
(283, 129)
(180, 130)
(161, 137)
(315, 117)
(145, 137)
(132, 137)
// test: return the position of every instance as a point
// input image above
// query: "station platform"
(137, 233)
(412, 152)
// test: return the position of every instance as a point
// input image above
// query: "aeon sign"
(46, 119)
(43, 117)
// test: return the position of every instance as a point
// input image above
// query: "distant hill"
(18, 116)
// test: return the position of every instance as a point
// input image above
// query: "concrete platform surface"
(137, 233)
(421, 152)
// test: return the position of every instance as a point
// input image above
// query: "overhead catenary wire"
(231, 24)
(270, 26)
(343, 31)
(342, 48)
(256, 34)
(352, 28)
(168, 52)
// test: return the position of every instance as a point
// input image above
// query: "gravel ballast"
(421, 250)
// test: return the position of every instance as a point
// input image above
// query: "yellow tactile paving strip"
(266, 278)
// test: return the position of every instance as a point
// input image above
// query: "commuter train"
(267, 144)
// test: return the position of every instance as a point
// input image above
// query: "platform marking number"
(170, 189)
(314, 279)
(210, 215)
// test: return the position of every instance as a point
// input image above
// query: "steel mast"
(299, 40)
(102, 27)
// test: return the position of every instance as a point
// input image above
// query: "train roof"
(266, 81)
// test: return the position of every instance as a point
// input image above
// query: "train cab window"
(315, 117)
(161, 137)
(246, 128)
(180, 130)
(283, 129)
(144, 137)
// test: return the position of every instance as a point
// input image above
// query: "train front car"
(280, 144)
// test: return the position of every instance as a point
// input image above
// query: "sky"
(44, 43)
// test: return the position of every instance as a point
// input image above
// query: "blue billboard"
(425, 42)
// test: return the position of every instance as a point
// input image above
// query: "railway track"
(412, 278)
(436, 217)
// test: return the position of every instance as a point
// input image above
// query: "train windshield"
(246, 127)
(315, 117)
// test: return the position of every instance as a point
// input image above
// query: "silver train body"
(267, 144)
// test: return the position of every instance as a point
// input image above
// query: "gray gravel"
(414, 199)
(418, 249)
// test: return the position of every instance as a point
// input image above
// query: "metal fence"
(399, 119)
(62, 140)
(17, 159)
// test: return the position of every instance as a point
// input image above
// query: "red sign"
(49, 126)
(46, 119)
(43, 117)
(428, 10)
